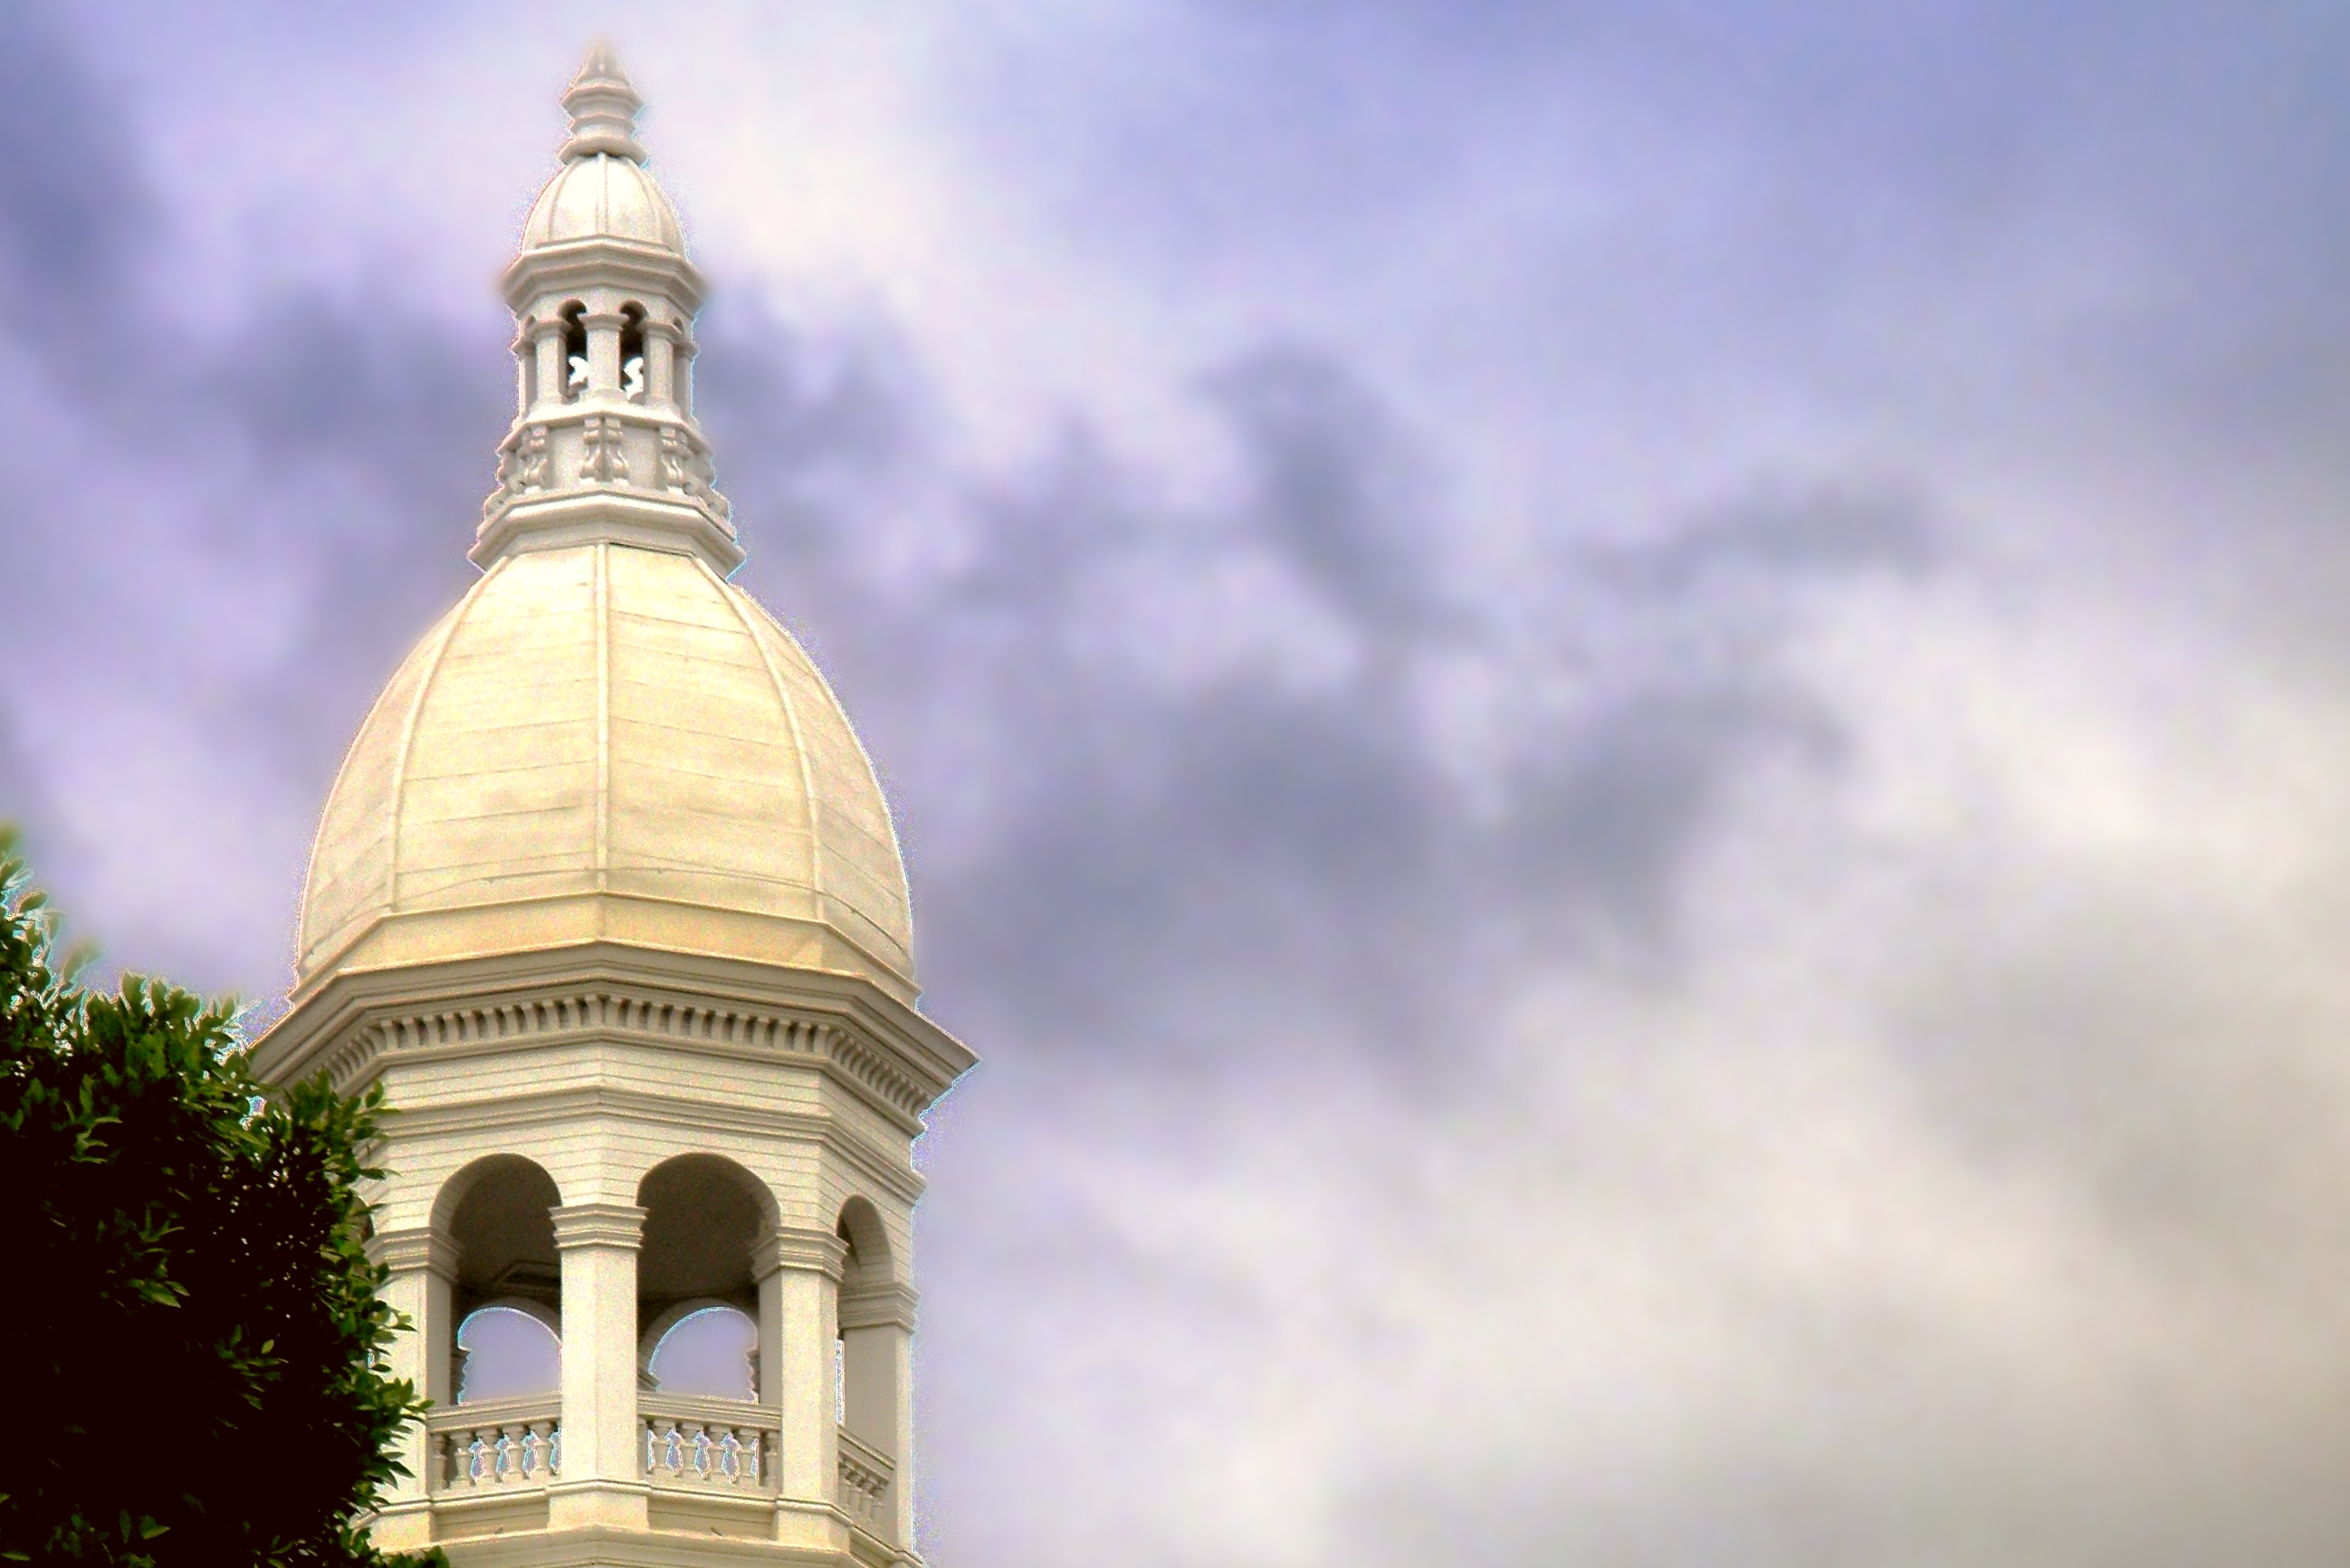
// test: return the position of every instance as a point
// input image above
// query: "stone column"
(554, 373)
(602, 1479)
(523, 352)
(603, 350)
(682, 373)
(424, 1267)
(661, 364)
(876, 1353)
(798, 1272)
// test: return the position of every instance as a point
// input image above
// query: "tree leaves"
(195, 1328)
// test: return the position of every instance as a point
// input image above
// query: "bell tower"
(608, 896)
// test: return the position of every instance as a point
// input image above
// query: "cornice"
(676, 520)
(602, 261)
(895, 1061)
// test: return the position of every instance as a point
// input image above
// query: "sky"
(1626, 726)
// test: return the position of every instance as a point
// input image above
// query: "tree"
(194, 1325)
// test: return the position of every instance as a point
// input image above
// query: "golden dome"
(607, 742)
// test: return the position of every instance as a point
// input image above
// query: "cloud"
(225, 554)
(1648, 878)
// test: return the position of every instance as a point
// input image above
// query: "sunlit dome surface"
(603, 197)
(608, 743)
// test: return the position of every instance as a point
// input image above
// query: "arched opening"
(703, 1215)
(508, 1298)
(865, 1363)
(708, 1349)
(575, 350)
(632, 352)
(507, 1350)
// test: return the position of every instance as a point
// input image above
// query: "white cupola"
(608, 898)
(604, 443)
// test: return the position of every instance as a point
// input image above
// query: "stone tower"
(608, 898)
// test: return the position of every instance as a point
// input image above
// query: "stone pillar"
(603, 350)
(876, 1354)
(602, 1480)
(683, 374)
(554, 372)
(424, 1267)
(661, 364)
(799, 1282)
(523, 353)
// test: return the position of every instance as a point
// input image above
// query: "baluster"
(730, 1457)
(701, 1451)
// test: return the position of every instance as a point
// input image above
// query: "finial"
(603, 109)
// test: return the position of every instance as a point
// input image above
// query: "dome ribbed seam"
(408, 733)
(799, 741)
(603, 716)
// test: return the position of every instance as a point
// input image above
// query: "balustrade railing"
(866, 1477)
(714, 1443)
(496, 1443)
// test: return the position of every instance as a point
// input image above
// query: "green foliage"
(193, 1333)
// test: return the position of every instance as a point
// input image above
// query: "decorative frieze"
(617, 1016)
(603, 451)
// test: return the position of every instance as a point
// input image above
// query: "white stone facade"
(608, 898)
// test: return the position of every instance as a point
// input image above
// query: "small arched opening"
(507, 1297)
(632, 352)
(866, 1365)
(697, 1303)
(573, 317)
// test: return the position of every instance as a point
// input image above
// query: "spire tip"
(603, 106)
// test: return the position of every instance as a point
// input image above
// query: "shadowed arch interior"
(868, 1246)
(497, 1210)
(866, 1366)
(703, 1214)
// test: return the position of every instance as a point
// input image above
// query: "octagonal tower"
(607, 896)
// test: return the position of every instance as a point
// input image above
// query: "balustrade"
(866, 1477)
(495, 1444)
(708, 1443)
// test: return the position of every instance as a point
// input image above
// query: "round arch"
(705, 1217)
(869, 1263)
(499, 1212)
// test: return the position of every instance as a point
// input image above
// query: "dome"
(607, 742)
(602, 196)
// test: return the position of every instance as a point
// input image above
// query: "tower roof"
(603, 105)
(606, 741)
(603, 191)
